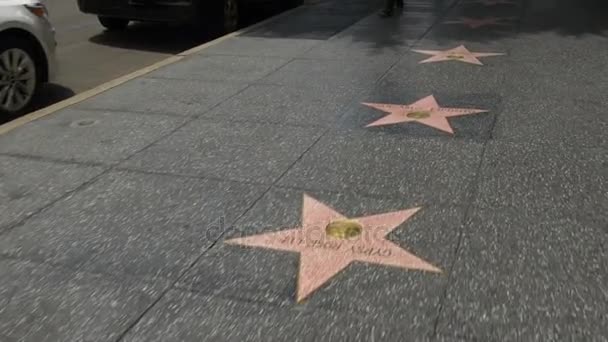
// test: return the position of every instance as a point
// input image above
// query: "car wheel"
(19, 76)
(113, 24)
(230, 16)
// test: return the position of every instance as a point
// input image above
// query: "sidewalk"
(172, 207)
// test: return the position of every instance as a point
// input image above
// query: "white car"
(27, 54)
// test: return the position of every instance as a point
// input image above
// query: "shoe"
(386, 14)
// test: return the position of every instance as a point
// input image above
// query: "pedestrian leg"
(389, 7)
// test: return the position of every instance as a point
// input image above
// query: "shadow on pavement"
(49, 94)
(52, 93)
(318, 19)
(167, 38)
(567, 17)
(154, 37)
(322, 19)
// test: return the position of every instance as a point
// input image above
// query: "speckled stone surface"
(238, 151)
(318, 20)
(577, 121)
(303, 106)
(27, 186)
(87, 136)
(528, 277)
(39, 303)
(237, 69)
(535, 178)
(163, 96)
(178, 318)
(114, 212)
(421, 170)
(255, 46)
(358, 73)
(132, 224)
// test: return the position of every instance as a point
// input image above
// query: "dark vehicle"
(225, 15)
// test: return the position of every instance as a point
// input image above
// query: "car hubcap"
(17, 79)
(231, 15)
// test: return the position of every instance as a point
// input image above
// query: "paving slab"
(354, 8)
(554, 100)
(545, 117)
(187, 317)
(237, 69)
(512, 8)
(245, 151)
(475, 22)
(413, 11)
(424, 170)
(408, 18)
(390, 49)
(261, 47)
(528, 277)
(549, 49)
(317, 27)
(163, 96)
(451, 28)
(40, 303)
(87, 136)
(357, 74)
(535, 75)
(374, 37)
(306, 106)
(27, 185)
(318, 21)
(537, 178)
(568, 18)
(381, 293)
(132, 224)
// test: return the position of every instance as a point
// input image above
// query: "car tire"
(222, 16)
(113, 24)
(230, 16)
(18, 87)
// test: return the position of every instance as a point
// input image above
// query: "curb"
(9, 126)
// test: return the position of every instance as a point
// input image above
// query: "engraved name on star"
(425, 111)
(460, 53)
(328, 242)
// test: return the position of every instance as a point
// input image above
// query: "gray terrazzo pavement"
(114, 211)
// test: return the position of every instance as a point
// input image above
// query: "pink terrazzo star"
(475, 23)
(425, 111)
(460, 53)
(323, 255)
